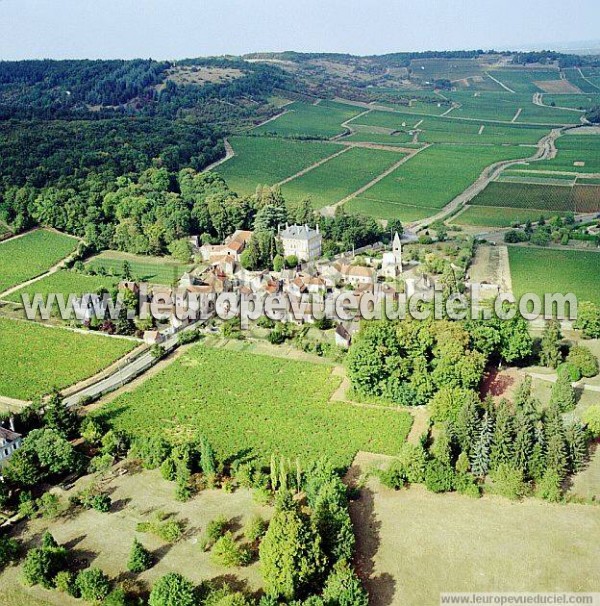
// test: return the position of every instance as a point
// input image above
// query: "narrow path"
(516, 116)
(586, 79)
(481, 129)
(553, 378)
(315, 165)
(546, 150)
(346, 124)
(538, 99)
(330, 210)
(229, 153)
(449, 110)
(510, 90)
(418, 123)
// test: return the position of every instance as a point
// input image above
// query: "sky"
(174, 29)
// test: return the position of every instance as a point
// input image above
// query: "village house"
(301, 241)
(233, 246)
(9, 442)
(356, 274)
(344, 332)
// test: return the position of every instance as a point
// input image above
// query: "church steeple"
(397, 248)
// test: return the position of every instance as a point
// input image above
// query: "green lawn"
(36, 358)
(33, 254)
(64, 282)
(542, 270)
(305, 120)
(254, 405)
(429, 181)
(492, 216)
(267, 160)
(156, 270)
(340, 177)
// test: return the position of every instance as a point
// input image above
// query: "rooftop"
(298, 232)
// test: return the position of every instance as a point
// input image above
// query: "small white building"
(9, 442)
(301, 241)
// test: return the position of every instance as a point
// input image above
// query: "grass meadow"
(268, 160)
(541, 270)
(30, 255)
(251, 405)
(36, 358)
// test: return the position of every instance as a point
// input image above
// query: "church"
(391, 266)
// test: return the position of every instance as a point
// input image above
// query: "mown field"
(30, 255)
(315, 121)
(429, 181)
(546, 198)
(499, 216)
(251, 405)
(436, 129)
(66, 283)
(413, 562)
(36, 358)
(542, 270)
(340, 177)
(574, 149)
(267, 160)
(156, 270)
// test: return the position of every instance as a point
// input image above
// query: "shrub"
(169, 531)
(168, 469)
(466, 484)
(215, 529)
(508, 482)
(65, 581)
(413, 459)
(570, 370)
(227, 553)
(344, 587)
(9, 551)
(100, 502)
(394, 476)
(43, 564)
(140, 558)
(93, 585)
(152, 450)
(172, 590)
(255, 528)
(117, 597)
(548, 487)
(591, 417)
(439, 477)
(584, 360)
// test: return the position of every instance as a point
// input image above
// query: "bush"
(508, 482)
(140, 558)
(255, 528)
(439, 477)
(65, 582)
(152, 450)
(169, 531)
(570, 370)
(413, 459)
(93, 585)
(227, 553)
(43, 564)
(344, 587)
(591, 417)
(168, 469)
(584, 360)
(394, 476)
(101, 502)
(548, 487)
(9, 551)
(215, 529)
(513, 236)
(117, 597)
(172, 590)
(466, 484)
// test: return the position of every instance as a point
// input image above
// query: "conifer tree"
(140, 558)
(467, 426)
(480, 459)
(523, 441)
(537, 460)
(207, 457)
(503, 440)
(523, 394)
(577, 447)
(556, 451)
(550, 354)
(274, 473)
(563, 394)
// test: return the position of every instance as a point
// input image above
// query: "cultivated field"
(429, 181)
(525, 80)
(576, 154)
(545, 198)
(251, 405)
(408, 543)
(30, 255)
(340, 177)
(268, 160)
(64, 282)
(156, 270)
(321, 121)
(498, 216)
(36, 358)
(542, 270)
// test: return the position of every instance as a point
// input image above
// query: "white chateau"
(301, 241)
(391, 266)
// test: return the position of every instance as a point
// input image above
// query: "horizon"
(38, 29)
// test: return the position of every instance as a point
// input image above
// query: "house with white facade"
(9, 442)
(301, 241)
